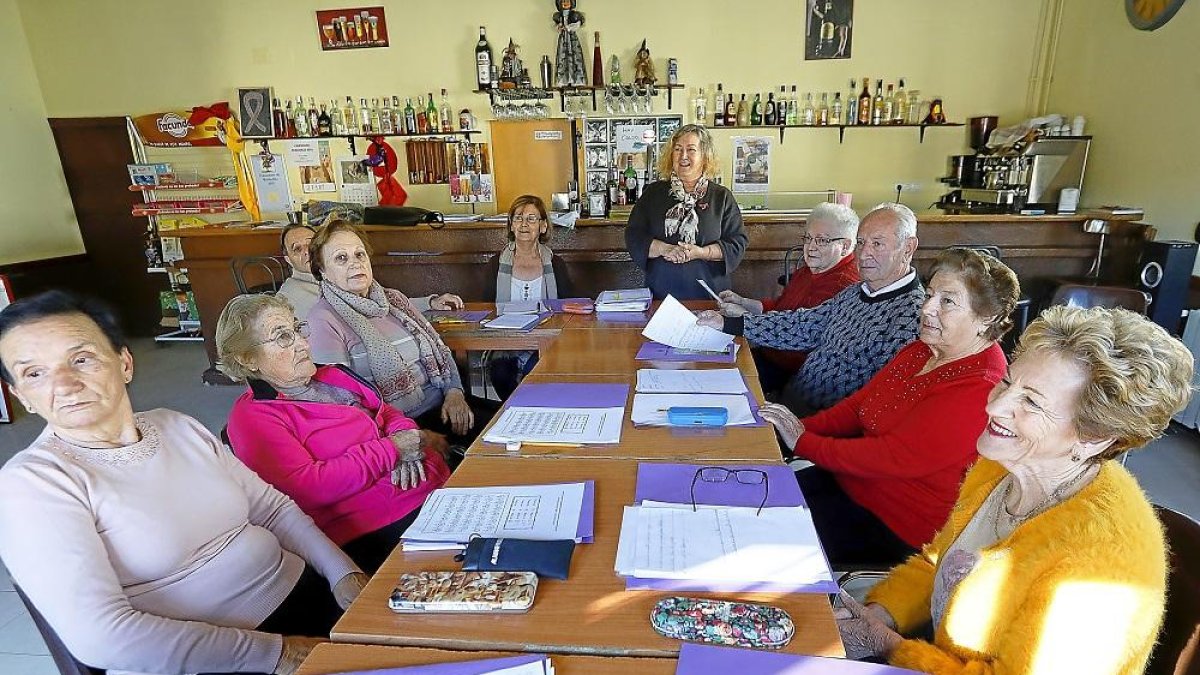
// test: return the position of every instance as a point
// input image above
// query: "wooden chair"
(260, 268)
(67, 664)
(1178, 648)
(1078, 295)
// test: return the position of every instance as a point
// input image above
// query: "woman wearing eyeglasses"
(526, 270)
(323, 435)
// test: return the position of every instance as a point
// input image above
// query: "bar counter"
(422, 260)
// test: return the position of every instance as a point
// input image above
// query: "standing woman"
(525, 270)
(687, 227)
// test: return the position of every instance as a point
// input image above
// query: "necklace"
(1012, 521)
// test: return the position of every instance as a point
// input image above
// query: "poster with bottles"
(828, 29)
(352, 28)
(751, 164)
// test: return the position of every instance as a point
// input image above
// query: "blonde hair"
(711, 164)
(1138, 376)
(237, 331)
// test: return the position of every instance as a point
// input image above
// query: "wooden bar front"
(421, 260)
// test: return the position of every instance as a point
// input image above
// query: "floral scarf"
(682, 217)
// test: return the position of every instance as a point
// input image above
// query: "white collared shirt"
(899, 283)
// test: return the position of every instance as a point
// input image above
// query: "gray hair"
(237, 330)
(842, 217)
(906, 220)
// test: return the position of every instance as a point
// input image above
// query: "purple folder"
(477, 667)
(632, 318)
(697, 659)
(656, 351)
(473, 315)
(569, 395)
(556, 304)
(586, 532)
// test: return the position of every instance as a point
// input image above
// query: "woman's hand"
(457, 413)
(710, 319)
(446, 301)
(348, 587)
(295, 650)
(409, 471)
(659, 248)
(676, 254)
(787, 425)
(865, 630)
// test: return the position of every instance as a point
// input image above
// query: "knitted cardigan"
(1079, 588)
(849, 339)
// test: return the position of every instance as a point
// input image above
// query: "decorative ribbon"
(381, 157)
(201, 113)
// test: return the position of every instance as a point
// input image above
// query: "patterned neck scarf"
(682, 217)
(504, 276)
(391, 374)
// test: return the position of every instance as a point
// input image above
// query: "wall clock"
(1151, 14)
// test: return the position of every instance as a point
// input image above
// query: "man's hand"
(457, 413)
(446, 301)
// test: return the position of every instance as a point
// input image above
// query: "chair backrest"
(1178, 648)
(1074, 295)
(67, 664)
(790, 267)
(266, 274)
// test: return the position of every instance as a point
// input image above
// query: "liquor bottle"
(900, 109)
(337, 123)
(889, 106)
(852, 104)
(387, 123)
(770, 110)
(823, 110)
(700, 106)
(743, 112)
(279, 119)
(837, 113)
(793, 107)
(877, 104)
(300, 118)
(616, 196)
(483, 62)
(410, 117)
(630, 181)
(364, 117)
(314, 117)
(730, 112)
(719, 106)
(431, 116)
(350, 115)
(447, 114)
(373, 117)
(422, 118)
(864, 103)
(597, 64)
(756, 111)
(397, 115)
(614, 70)
(808, 116)
(324, 124)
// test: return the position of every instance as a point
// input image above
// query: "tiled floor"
(168, 377)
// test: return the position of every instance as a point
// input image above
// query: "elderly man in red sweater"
(829, 267)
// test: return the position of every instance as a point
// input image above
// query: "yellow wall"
(135, 56)
(1138, 91)
(36, 218)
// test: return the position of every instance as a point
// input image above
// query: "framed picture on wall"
(828, 29)
(5, 405)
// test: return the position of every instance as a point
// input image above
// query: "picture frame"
(256, 112)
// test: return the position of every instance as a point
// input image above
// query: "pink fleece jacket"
(334, 460)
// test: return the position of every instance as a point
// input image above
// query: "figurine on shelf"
(643, 67)
(511, 69)
(936, 114)
(568, 68)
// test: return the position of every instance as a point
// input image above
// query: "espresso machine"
(1026, 176)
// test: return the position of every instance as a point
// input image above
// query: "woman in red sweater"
(889, 459)
(829, 266)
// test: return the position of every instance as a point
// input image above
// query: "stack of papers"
(660, 390)
(452, 516)
(715, 381)
(651, 409)
(629, 300)
(560, 413)
(675, 326)
(697, 659)
(514, 321)
(526, 664)
(520, 307)
(656, 351)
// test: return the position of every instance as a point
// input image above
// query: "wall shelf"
(840, 127)
(583, 90)
(349, 138)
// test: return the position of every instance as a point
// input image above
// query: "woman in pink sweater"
(144, 544)
(322, 434)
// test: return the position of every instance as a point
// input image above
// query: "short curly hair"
(238, 331)
(322, 237)
(992, 286)
(1138, 376)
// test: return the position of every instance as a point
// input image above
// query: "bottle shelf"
(350, 138)
(576, 90)
(840, 127)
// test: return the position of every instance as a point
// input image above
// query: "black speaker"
(1164, 272)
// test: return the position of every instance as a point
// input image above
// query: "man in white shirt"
(301, 289)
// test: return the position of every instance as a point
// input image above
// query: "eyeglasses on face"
(822, 242)
(528, 220)
(287, 337)
(719, 474)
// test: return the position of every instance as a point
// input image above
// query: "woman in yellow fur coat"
(1052, 560)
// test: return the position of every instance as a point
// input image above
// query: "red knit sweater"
(803, 291)
(901, 445)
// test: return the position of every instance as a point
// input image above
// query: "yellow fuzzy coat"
(1077, 589)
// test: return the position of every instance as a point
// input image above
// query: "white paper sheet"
(557, 425)
(520, 307)
(675, 325)
(451, 516)
(720, 543)
(651, 409)
(512, 321)
(713, 381)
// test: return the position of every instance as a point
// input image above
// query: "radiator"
(1190, 416)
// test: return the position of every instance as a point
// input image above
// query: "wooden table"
(461, 337)
(723, 444)
(591, 613)
(328, 659)
(607, 351)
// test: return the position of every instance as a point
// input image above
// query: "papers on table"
(654, 351)
(674, 325)
(651, 409)
(778, 545)
(514, 321)
(572, 426)
(452, 516)
(697, 659)
(628, 300)
(445, 316)
(525, 664)
(520, 307)
(714, 381)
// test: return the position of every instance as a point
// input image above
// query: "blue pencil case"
(697, 416)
